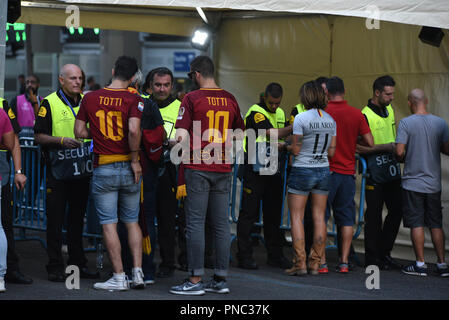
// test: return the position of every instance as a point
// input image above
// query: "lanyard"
(91, 148)
(67, 101)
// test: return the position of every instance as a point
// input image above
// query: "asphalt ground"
(265, 284)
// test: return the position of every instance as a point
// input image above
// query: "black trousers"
(60, 194)
(255, 188)
(12, 260)
(166, 216)
(380, 237)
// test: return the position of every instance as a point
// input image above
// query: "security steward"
(68, 173)
(258, 185)
(384, 182)
(13, 274)
(161, 85)
(26, 106)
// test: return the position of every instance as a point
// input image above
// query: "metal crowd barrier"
(29, 205)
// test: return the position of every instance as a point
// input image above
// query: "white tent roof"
(433, 13)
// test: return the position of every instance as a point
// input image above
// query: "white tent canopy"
(434, 13)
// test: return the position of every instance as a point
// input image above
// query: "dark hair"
(91, 78)
(161, 71)
(384, 81)
(204, 65)
(312, 95)
(83, 80)
(95, 87)
(125, 68)
(274, 90)
(335, 85)
(35, 77)
(321, 80)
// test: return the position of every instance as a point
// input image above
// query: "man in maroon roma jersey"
(207, 113)
(114, 114)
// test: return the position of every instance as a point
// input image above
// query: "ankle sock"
(119, 275)
(442, 265)
(421, 264)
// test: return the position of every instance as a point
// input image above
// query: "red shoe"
(323, 269)
(343, 268)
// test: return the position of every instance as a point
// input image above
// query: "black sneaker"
(388, 263)
(443, 272)
(280, 262)
(216, 287)
(414, 270)
(165, 272)
(248, 264)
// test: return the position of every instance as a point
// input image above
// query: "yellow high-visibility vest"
(382, 129)
(277, 120)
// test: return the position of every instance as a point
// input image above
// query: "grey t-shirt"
(317, 128)
(423, 136)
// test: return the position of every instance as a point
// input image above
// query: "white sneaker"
(118, 282)
(137, 282)
(2, 284)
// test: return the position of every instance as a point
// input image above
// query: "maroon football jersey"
(107, 111)
(207, 114)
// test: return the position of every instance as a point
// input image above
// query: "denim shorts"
(303, 181)
(115, 194)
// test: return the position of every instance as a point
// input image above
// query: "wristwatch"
(18, 171)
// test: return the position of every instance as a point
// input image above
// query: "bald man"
(54, 131)
(420, 139)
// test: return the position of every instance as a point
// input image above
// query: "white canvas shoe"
(118, 282)
(137, 282)
(2, 284)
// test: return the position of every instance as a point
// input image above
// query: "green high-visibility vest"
(169, 115)
(382, 129)
(63, 120)
(300, 107)
(277, 120)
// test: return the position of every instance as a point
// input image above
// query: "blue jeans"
(115, 193)
(207, 192)
(303, 180)
(150, 179)
(3, 243)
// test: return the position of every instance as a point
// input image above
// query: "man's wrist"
(19, 171)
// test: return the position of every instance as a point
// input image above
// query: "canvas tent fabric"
(417, 12)
(294, 50)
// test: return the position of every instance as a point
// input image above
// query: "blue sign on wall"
(182, 61)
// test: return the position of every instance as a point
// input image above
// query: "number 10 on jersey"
(215, 134)
(108, 118)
